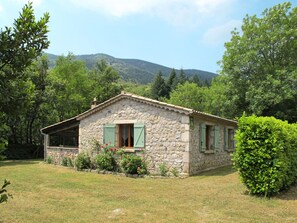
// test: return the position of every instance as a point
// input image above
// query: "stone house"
(181, 138)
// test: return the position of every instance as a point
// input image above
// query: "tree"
(189, 95)
(70, 87)
(172, 81)
(23, 43)
(159, 88)
(104, 81)
(260, 64)
(195, 79)
(20, 45)
(182, 76)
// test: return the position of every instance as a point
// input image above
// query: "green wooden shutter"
(139, 135)
(216, 137)
(226, 146)
(202, 137)
(109, 134)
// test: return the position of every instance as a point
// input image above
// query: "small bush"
(64, 161)
(49, 159)
(266, 155)
(133, 164)
(69, 162)
(163, 169)
(4, 195)
(106, 161)
(83, 161)
(174, 172)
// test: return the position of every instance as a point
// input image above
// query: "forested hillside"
(134, 70)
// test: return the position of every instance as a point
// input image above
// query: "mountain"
(134, 70)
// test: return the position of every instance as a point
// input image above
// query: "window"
(229, 139)
(209, 137)
(65, 138)
(124, 135)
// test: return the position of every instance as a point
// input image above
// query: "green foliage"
(70, 86)
(104, 81)
(163, 169)
(83, 161)
(64, 161)
(3, 144)
(174, 172)
(263, 56)
(49, 159)
(24, 42)
(159, 88)
(69, 162)
(189, 95)
(266, 155)
(133, 164)
(3, 192)
(20, 46)
(106, 161)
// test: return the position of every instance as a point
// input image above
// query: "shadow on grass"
(19, 162)
(290, 194)
(222, 171)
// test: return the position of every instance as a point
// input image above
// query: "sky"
(188, 34)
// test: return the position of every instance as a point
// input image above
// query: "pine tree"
(159, 87)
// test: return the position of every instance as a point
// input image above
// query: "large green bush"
(133, 164)
(106, 161)
(266, 154)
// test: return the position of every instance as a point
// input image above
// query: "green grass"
(47, 193)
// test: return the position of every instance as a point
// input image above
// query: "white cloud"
(177, 12)
(221, 34)
(1, 8)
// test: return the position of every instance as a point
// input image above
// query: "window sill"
(129, 150)
(209, 151)
(132, 150)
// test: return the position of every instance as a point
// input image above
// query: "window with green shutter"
(109, 134)
(139, 135)
(202, 137)
(226, 139)
(216, 137)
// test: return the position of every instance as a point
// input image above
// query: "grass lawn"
(47, 193)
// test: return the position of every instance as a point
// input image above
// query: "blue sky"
(174, 33)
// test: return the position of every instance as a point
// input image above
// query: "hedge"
(266, 154)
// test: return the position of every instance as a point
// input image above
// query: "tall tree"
(189, 95)
(71, 87)
(105, 81)
(172, 81)
(159, 88)
(20, 45)
(260, 64)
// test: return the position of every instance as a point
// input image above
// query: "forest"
(258, 76)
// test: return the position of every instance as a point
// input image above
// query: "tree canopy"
(260, 64)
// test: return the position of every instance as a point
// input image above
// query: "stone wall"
(200, 161)
(166, 132)
(57, 153)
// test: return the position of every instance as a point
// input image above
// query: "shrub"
(266, 155)
(69, 162)
(106, 161)
(64, 161)
(3, 192)
(49, 159)
(133, 164)
(163, 169)
(83, 161)
(174, 171)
